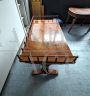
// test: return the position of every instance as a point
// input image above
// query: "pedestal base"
(49, 72)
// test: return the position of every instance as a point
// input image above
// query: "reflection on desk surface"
(46, 35)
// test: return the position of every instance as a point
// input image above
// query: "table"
(46, 44)
(77, 13)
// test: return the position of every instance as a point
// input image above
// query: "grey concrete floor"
(73, 80)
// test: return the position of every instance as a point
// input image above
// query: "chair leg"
(67, 19)
(84, 19)
(88, 30)
(74, 20)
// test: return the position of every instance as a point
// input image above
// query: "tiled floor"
(73, 80)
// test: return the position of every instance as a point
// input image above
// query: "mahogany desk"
(46, 45)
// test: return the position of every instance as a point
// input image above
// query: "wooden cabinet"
(37, 8)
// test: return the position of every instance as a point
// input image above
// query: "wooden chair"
(77, 13)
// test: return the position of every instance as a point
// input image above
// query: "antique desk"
(46, 44)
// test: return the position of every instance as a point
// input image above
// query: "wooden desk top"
(47, 36)
(80, 11)
(46, 39)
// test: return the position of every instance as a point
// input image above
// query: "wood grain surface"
(46, 40)
(81, 11)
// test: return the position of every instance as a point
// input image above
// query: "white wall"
(11, 36)
(24, 9)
